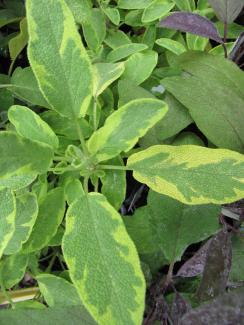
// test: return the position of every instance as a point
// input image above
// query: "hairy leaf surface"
(122, 130)
(103, 262)
(58, 58)
(191, 174)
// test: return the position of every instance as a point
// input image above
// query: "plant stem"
(6, 294)
(85, 184)
(49, 268)
(225, 38)
(19, 295)
(169, 274)
(95, 114)
(112, 167)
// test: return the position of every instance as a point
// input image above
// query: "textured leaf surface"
(26, 88)
(51, 213)
(191, 174)
(217, 97)
(217, 267)
(105, 74)
(114, 293)
(29, 125)
(171, 45)
(121, 130)
(139, 66)
(156, 10)
(7, 217)
(57, 291)
(48, 316)
(22, 159)
(18, 43)
(58, 58)
(114, 184)
(123, 51)
(12, 269)
(135, 4)
(26, 214)
(169, 226)
(227, 10)
(192, 23)
(237, 267)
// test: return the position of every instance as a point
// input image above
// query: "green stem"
(6, 294)
(81, 137)
(49, 268)
(85, 184)
(112, 167)
(95, 114)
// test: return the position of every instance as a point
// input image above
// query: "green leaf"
(7, 217)
(94, 29)
(25, 87)
(112, 14)
(114, 184)
(176, 119)
(26, 214)
(156, 10)
(116, 38)
(121, 130)
(170, 226)
(64, 126)
(139, 66)
(18, 43)
(50, 216)
(135, 4)
(22, 161)
(48, 316)
(114, 294)
(185, 138)
(191, 174)
(80, 9)
(217, 97)
(12, 269)
(104, 74)
(57, 291)
(171, 45)
(73, 190)
(123, 51)
(29, 125)
(7, 16)
(185, 5)
(58, 58)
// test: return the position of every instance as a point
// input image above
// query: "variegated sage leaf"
(103, 262)
(122, 130)
(105, 74)
(22, 160)
(7, 217)
(12, 269)
(135, 4)
(26, 214)
(57, 291)
(50, 216)
(29, 125)
(191, 174)
(58, 58)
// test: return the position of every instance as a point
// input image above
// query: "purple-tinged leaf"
(192, 23)
(179, 308)
(225, 310)
(195, 265)
(227, 10)
(217, 267)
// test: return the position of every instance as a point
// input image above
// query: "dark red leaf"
(192, 23)
(179, 308)
(217, 267)
(225, 310)
(195, 265)
(227, 10)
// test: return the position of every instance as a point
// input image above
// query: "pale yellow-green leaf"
(30, 125)
(103, 262)
(58, 58)
(125, 126)
(191, 174)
